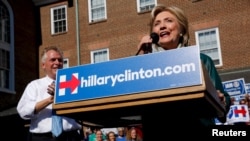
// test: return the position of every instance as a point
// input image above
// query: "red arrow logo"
(72, 84)
(242, 111)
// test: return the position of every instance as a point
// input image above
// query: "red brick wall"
(124, 27)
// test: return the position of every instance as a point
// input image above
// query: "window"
(65, 63)
(58, 19)
(145, 5)
(99, 56)
(97, 10)
(209, 43)
(6, 48)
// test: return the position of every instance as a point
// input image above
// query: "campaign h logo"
(238, 113)
(71, 84)
(240, 110)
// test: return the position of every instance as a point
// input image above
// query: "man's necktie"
(56, 124)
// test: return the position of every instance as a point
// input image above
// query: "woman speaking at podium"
(171, 26)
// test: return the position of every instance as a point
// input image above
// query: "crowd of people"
(121, 134)
(237, 101)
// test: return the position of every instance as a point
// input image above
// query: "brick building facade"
(124, 27)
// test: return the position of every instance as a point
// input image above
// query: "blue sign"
(150, 72)
(235, 88)
(247, 87)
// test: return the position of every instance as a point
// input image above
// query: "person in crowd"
(121, 134)
(233, 101)
(99, 135)
(171, 25)
(243, 101)
(92, 136)
(86, 132)
(247, 96)
(132, 135)
(36, 102)
(111, 136)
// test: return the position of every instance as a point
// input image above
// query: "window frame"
(10, 47)
(96, 51)
(53, 21)
(65, 62)
(138, 3)
(91, 20)
(216, 29)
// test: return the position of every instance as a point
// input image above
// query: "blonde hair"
(120, 129)
(179, 14)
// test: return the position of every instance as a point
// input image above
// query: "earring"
(181, 34)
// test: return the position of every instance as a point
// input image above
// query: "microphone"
(147, 47)
(154, 37)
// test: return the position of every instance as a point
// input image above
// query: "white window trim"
(94, 51)
(66, 64)
(138, 5)
(52, 18)
(217, 39)
(90, 11)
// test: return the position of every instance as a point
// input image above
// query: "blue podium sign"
(150, 72)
